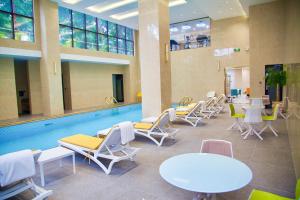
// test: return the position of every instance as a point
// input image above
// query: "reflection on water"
(293, 122)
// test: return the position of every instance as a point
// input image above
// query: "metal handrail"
(111, 100)
(185, 101)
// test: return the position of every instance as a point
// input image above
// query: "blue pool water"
(44, 134)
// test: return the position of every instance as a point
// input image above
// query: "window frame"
(13, 15)
(106, 35)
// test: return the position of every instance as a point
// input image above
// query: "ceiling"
(192, 9)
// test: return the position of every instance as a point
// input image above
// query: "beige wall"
(91, 83)
(274, 38)
(8, 98)
(196, 71)
(34, 81)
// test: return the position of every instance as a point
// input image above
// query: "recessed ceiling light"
(102, 8)
(201, 25)
(176, 2)
(128, 14)
(125, 15)
(71, 1)
(186, 27)
(174, 29)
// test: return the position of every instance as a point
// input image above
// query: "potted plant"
(276, 79)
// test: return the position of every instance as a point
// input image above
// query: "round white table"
(205, 173)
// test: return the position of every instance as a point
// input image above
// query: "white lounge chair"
(109, 147)
(211, 94)
(160, 128)
(190, 116)
(207, 109)
(16, 171)
(220, 103)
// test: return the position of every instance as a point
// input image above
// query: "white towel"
(172, 114)
(127, 132)
(16, 166)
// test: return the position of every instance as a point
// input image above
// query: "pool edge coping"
(42, 118)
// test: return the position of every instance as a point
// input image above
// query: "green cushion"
(232, 110)
(261, 195)
(298, 190)
(237, 115)
(268, 118)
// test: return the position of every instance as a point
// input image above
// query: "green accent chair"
(270, 119)
(237, 117)
(261, 195)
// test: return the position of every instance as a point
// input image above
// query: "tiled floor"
(270, 161)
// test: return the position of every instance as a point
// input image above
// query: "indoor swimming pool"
(44, 134)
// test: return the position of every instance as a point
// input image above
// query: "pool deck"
(31, 118)
(270, 161)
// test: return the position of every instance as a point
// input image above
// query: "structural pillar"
(154, 40)
(50, 64)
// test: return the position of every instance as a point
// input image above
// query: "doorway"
(66, 85)
(118, 87)
(22, 87)
(237, 80)
(272, 91)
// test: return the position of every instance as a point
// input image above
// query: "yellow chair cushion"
(261, 195)
(85, 141)
(268, 118)
(238, 115)
(145, 126)
(191, 105)
(182, 112)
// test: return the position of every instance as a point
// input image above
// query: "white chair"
(252, 118)
(110, 147)
(16, 171)
(207, 109)
(159, 129)
(211, 94)
(257, 102)
(221, 147)
(190, 116)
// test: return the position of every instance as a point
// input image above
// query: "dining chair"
(237, 117)
(257, 102)
(221, 147)
(262, 195)
(252, 119)
(270, 119)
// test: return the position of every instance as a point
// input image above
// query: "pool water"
(44, 134)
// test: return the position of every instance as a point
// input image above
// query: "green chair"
(261, 195)
(237, 117)
(270, 119)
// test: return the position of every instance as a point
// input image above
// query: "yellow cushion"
(85, 141)
(191, 105)
(238, 115)
(182, 112)
(145, 126)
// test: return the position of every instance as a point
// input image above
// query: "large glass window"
(190, 34)
(84, 31)
(16, 20)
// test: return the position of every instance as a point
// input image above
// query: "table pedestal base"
(204, 196)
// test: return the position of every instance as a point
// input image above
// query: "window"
(190, 34)
(16, 20)
(87, 32)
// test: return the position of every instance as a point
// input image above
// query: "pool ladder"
(111, 100)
